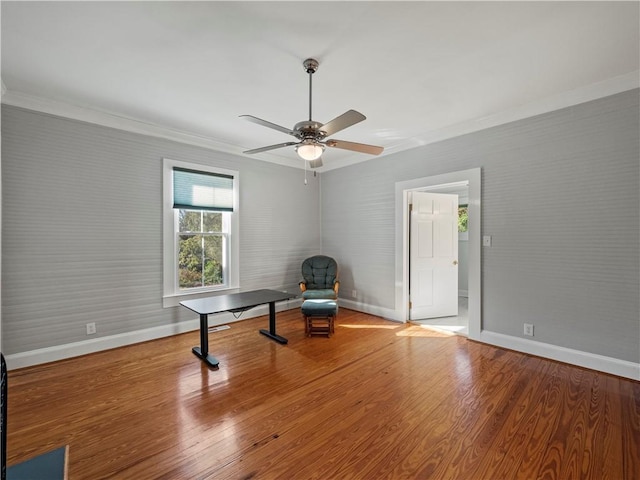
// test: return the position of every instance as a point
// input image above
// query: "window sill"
(173, 300)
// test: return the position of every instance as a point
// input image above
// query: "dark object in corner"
(3, 425)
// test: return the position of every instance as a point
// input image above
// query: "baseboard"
(579, 358)
(61, 352)
(614, 366)
(386, 313)
(593, 361)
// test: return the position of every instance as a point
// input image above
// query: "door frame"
(474, 179)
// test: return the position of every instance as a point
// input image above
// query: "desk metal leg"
(271, 333)
(202, 351)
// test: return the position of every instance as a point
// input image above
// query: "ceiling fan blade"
(264, 123)
(317, 163)
(347, 119)
(271, 147)
(356, 147)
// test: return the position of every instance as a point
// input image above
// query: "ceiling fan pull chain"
(305, 172)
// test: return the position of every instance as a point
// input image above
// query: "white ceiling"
(419, 71)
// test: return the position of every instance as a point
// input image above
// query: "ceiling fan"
(312, 135)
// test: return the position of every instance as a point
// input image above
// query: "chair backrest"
(319, 272)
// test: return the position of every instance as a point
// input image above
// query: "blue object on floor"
(48, 466)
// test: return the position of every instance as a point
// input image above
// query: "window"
(202, 239)
(200, 230)
(463, 219)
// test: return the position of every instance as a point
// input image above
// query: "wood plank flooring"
(378, 400)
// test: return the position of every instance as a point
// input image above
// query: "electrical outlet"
(528, 329)
(91, 328)
(354, 293)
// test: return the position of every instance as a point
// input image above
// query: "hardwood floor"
(376, 400)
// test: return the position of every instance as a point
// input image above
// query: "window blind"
(202, 190)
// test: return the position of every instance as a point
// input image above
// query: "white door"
(433, 257)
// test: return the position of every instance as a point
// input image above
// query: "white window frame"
(172, 294)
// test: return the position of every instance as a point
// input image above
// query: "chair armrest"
(336, 286)
(303, 286)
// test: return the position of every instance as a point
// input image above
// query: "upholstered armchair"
(320, 275)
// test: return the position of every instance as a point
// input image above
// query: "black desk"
(234, 302)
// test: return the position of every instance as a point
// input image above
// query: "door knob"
(455, 262)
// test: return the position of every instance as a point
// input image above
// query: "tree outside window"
(463, 218)
(201, 248)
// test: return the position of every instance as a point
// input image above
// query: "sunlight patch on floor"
(455, 325)
(387, 327)
(423, 331)
(447, 328)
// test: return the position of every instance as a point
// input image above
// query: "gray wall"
(463, 264)
(81, 225)
(560, 197)
(82, 228)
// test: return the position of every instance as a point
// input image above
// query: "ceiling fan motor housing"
(309, 129)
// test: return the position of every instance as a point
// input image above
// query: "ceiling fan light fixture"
(309, 151)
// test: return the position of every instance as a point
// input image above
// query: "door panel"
(424, 289)
(425, 239)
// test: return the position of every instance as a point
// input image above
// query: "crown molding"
(559, 101)
(567, 99)
(128, 124)
(584, 94)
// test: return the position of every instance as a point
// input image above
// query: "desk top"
(235, 301)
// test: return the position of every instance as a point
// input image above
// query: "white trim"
(587, 93)
(61, 352)
(614, 366)
(473, 178)
(385, 313)
(463, 293)
(175, 299)
(111, 119)
(611, 86)
(171, 298)
(129, 124)
(592, 361)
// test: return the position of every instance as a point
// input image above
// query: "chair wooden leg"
(317, 325)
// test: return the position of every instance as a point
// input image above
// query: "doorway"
(472, 180)
(433, 253)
